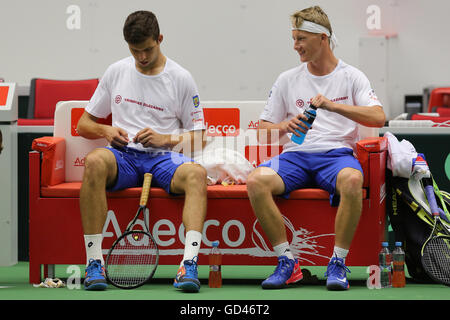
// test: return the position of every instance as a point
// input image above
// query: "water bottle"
(398, 256)
(310, 113)
(385, 259)
(215, 266)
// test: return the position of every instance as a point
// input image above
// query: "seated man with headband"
(343, 97)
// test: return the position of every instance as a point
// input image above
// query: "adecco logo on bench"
(219, 121)
(239, 236)
(222, 121)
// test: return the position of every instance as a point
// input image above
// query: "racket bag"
(411, 220)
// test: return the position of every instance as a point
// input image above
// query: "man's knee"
(94, 163)
(350, 182)
(254, 181)
(190, 175)
(99, 164)
(195, 173)
(263, 181)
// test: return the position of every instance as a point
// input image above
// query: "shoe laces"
(283, 266)
(337, 265)
(94, 266)
(191, 266)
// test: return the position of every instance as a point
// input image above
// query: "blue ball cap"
(215, 243)
(384, 244)
(398, 243)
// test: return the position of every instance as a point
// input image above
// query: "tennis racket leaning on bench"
(133, 257)
(436, 249)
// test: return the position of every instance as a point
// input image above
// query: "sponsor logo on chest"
(119, 99)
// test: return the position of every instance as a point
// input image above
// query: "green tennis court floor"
(240, 283)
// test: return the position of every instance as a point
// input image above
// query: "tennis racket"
(133, 257)
(435, 253)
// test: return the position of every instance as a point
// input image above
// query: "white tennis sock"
(283, 249)
(93, 244)
(340, 253)
(192, 245)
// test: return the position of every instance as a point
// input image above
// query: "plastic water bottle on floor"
(215, 266)
(398, 257)
(310, 113)
(385, 258)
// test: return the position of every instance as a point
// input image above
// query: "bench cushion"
(72, 190)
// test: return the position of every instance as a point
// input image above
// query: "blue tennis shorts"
(308, 170)
(132, 164)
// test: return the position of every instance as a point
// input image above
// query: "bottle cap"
(215, 243)
(398, 243)
(384, 244)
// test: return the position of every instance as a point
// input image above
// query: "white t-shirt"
(295, 88)
(168, 102)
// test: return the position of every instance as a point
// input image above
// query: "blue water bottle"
(310, 113)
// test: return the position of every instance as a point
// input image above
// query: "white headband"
(317, 28)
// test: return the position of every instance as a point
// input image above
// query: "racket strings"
(436, 259)
(133, 260)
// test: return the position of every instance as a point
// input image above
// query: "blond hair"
(313, 14)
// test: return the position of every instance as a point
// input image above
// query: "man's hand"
(117, 137)
(269, 132)
(370, 116)
(150, 138)
(321, 101)
(295, 123)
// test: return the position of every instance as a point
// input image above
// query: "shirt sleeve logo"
(196, 101)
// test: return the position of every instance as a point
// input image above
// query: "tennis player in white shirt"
(155, 106)
(344, 98)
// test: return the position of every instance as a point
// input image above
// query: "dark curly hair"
(139, 26)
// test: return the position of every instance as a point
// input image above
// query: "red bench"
(56, 234)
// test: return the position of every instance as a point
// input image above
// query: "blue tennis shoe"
(187, 276)
(287, 271)
(337, 275)
(95, 276)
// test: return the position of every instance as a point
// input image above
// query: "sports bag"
(411, 218)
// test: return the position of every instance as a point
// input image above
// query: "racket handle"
(429, 191)
(145, 189)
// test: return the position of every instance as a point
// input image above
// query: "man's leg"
(262, 184)
(100, 171)
(349, 187)
(191, 179)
